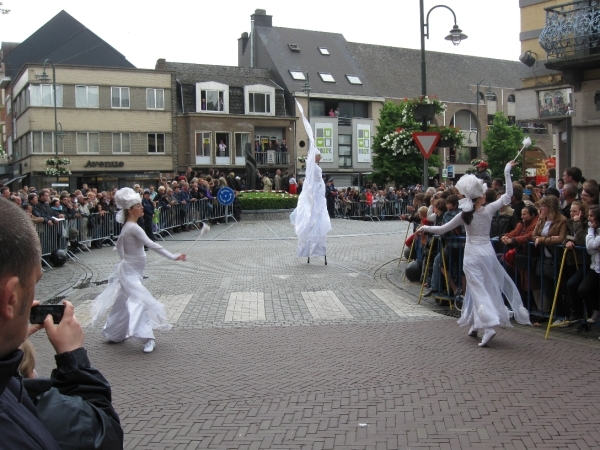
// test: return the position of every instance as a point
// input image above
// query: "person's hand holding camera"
(68, 334)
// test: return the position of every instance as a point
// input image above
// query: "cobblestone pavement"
(271, 352)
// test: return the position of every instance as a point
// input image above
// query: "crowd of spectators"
(531, 236)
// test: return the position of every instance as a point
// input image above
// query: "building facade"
(114, 125)
(356, 79)
(561, 82)
(224, 113)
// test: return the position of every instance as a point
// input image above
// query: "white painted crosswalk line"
(325, 305)
(245, 306)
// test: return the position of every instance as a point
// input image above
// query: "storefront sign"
(104, 164)
(363, 133)
(324, 140)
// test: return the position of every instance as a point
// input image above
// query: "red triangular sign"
(426, 141)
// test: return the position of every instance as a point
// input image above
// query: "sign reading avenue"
(104, 164)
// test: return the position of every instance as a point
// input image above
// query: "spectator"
(550, 231)
(483, 174)
(583, 286)
(73, 408)
(569, 196)
(277, 180)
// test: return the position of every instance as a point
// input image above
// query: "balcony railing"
(572, 30)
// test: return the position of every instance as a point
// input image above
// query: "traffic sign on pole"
(426, 142)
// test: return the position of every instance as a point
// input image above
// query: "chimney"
(242, 44)
(261, 19)
(161, 64)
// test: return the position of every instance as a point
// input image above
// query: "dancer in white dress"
(483, 306)
(310, 218)
(135, 312)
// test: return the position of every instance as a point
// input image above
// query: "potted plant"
(400, 142)
(425, 107)
(449, 136)
(3, 156)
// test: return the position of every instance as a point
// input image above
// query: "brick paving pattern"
(270, 352)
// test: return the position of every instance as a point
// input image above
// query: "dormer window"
(297, 75)
(294, 47)
(212, 97)
(353, 79)
(260, 100)
(327, 77)
(324, 51)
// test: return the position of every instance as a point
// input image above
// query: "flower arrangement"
(400, 142)
(302, 160)
(450, 134)
(411, 103)
(53, 171)
(58, 161)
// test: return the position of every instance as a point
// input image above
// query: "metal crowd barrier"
(543, 290)
(78, 234)
(376, 211)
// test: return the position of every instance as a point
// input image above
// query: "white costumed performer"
(135, 312)
(483, 306)
(310, 218)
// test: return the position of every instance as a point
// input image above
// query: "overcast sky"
(206, 31)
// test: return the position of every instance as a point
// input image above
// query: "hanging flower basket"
(446, 143)
(424, 111)
(53, 172)
(400, 142)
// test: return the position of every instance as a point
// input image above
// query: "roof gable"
(64, 40)
(306, 57)
(396, 72)
(230, 75)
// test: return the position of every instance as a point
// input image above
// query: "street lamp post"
(44, 77)
(306, 89)
(456, 36)
(488, 95)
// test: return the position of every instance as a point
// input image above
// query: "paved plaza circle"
(269, 351)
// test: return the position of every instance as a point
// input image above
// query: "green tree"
(398, 168)
(502, 144)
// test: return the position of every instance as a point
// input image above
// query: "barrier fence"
(547, 277)
(374, 211)
(81, 233)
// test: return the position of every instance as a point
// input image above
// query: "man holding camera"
(73, 408)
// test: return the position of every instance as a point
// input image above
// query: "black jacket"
(34, 412)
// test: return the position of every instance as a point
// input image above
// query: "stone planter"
(424, 112)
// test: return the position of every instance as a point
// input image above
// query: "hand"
(68, 334)
(33, 328)
(577, 217)
(570, 244)
(537, 242)
(513, 163)
(181, 257)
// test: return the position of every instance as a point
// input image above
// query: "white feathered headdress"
(471, 187)
(125, 199)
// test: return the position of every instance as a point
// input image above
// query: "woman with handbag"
(487, 281)
(520, 237)
(551, 230)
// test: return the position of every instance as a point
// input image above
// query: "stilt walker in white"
(483, 306)
(310, 218)
(135, 312)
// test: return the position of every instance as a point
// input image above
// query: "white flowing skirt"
(135, 312)
(483, 305)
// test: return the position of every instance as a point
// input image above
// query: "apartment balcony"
(571, 37)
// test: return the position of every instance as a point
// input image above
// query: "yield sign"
(426, 142)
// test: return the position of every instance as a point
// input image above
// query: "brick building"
(114, 122)
(561, 78)
(240, 108)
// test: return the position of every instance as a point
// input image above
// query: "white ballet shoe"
(473, 332)
(487, 337)
(149, 347)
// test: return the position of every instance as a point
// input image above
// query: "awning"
(19, 178)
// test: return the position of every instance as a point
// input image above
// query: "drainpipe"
(252, 43)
